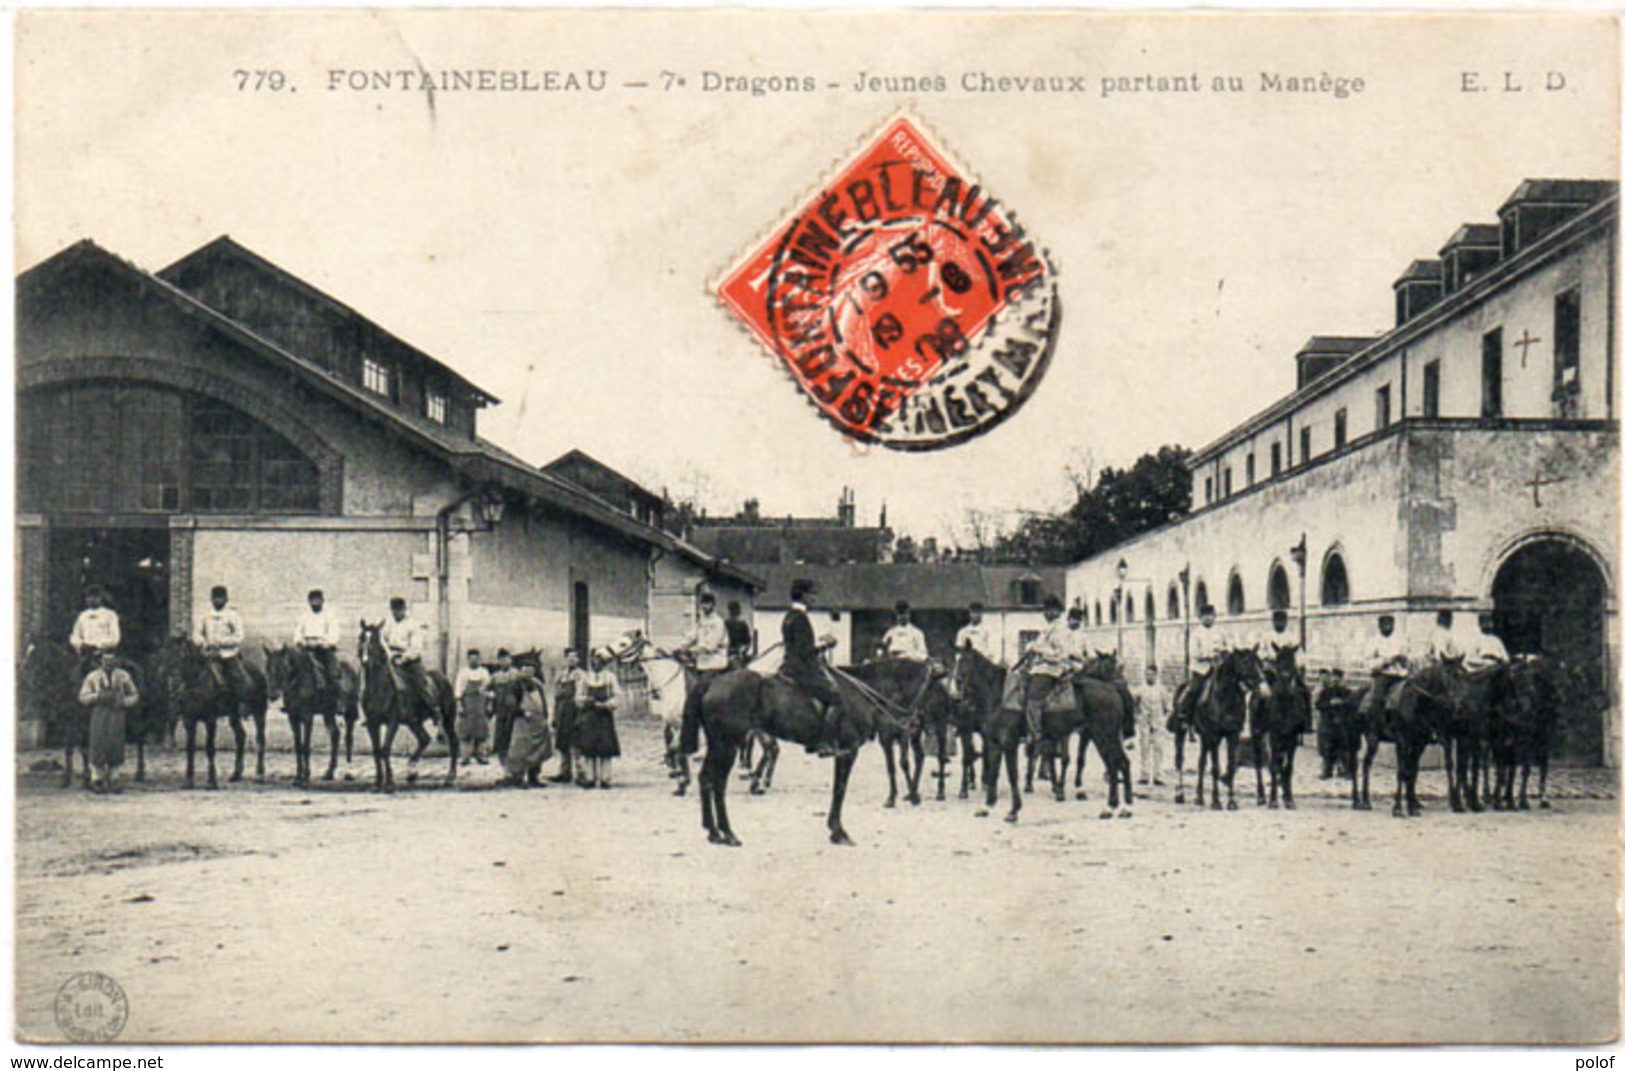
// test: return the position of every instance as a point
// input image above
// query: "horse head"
(276, 670)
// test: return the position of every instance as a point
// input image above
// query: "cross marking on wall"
(1523, 345)
(1542, 480)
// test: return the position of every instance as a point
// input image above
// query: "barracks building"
(223, 422)
(1466, 459)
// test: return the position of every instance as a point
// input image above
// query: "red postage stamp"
(906, 300)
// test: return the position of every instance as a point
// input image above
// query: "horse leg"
(421, 740)
(991, 761)
(259, 747)
(943, 763)
(67, 758)
(891, 771)
(1232, 749)
(1063, 760)
(1078, 791)
(1523, 784)
(1288, 762)
(1010, 760)
(140, 759)
(843, 772)
(333, 746)
(1032, 757)
(964, 765)
(392, 727)
(917, 744)
(208, 747)
(241, 736)
(191, 752)
(727, 753)
(1545, 763)
(1179, 764)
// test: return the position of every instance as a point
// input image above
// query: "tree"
(1118, 505)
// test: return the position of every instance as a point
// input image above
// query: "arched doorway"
(1550, 598)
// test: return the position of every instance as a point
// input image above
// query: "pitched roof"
(772, 543)
(567, 465)
(879, 586)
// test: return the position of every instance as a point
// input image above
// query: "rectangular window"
(1340, 429)
(1385, 406)
(1566, 342)
(1207, 489)
(1249, 470)
(1275, 459)
(1305, 444)
(1430, 389)
(375, 376)
(434, 406)
(1490, 373)
(1227, 487)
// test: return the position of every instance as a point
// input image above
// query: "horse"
(387, 704)
(1521, 739)
(1102, 667)
(293, 675)
(1280, 715)
(1482, 698)
(914, 688)
(980, 684)
(1099, 710)
(1422, 714)
(742, 699)
(668, 695)
(1217, 717)
(48, 681)
(198, 694)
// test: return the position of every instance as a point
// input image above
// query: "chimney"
(752, 513)
(1322, 353)
(1419, 287)
(847, 511)
(1473, 250)
(1540, 206)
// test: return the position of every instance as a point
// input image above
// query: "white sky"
(557, 249)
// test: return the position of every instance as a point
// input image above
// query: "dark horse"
(293, 676)
(199, 694)
(916, 690)
(1424, 712)
(1098, 708)
(1216, 718)
(1521, 738)
(978, 685)
(387, 703)
(48, 682)
(1280, 716)
(742, 699)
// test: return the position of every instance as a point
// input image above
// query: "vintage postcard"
(684, 526)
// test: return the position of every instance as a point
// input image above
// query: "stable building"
(1467, 459)
(222, 421)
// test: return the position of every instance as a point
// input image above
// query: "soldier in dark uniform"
(740, 639)
(804, 668)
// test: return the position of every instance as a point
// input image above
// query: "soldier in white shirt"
(1049, 661)
(404, 639)
(220, 636)
(472, 689)
(1077, 641)
(1151, 709)
(904, 639)
(96, 630)
(707, 645)
(974, 634)
(1487, 650)
(1387, 664)
(1208, 648)
(318, 633)
(1442, 645)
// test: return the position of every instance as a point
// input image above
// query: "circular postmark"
(908, 303)
(91, 1006)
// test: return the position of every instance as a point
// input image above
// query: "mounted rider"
(1487, 651)
(1209, 647)
(707, 648)
(740, 640)
(974, 634)
(1049, 660)
(95, 630)
(220, 636)
(804, 667)
(1441, 645)
(904, 640)
(405, 640)
(318, 633)
(1388, 665)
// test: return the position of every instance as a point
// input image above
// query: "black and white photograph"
(1029, 528)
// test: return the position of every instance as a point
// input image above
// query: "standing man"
(95, 631)
(318, 633)
(904, 639)
(220, 635)
(707, 647)
(804, 667)
(472, 689)
(974, 634)
(109, 692)
(1151, 710)
(405, 640)
(1387, 664)
(1050, 661)
(740, 640)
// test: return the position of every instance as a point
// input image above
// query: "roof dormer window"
(375, 376)
(434, 406)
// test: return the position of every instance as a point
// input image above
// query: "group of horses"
(179, 686)
(1496, 723)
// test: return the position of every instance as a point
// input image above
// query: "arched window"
(1128, 608)
(1280, 589)
(1114, 610)
(1099, 619)
(1173, 602)
(1201, 602)
(1235, 598)
(1334, 581)
(1150, 607)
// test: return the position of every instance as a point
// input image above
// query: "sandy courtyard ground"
(264, 912)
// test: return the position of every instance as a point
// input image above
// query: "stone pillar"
(33, 574)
